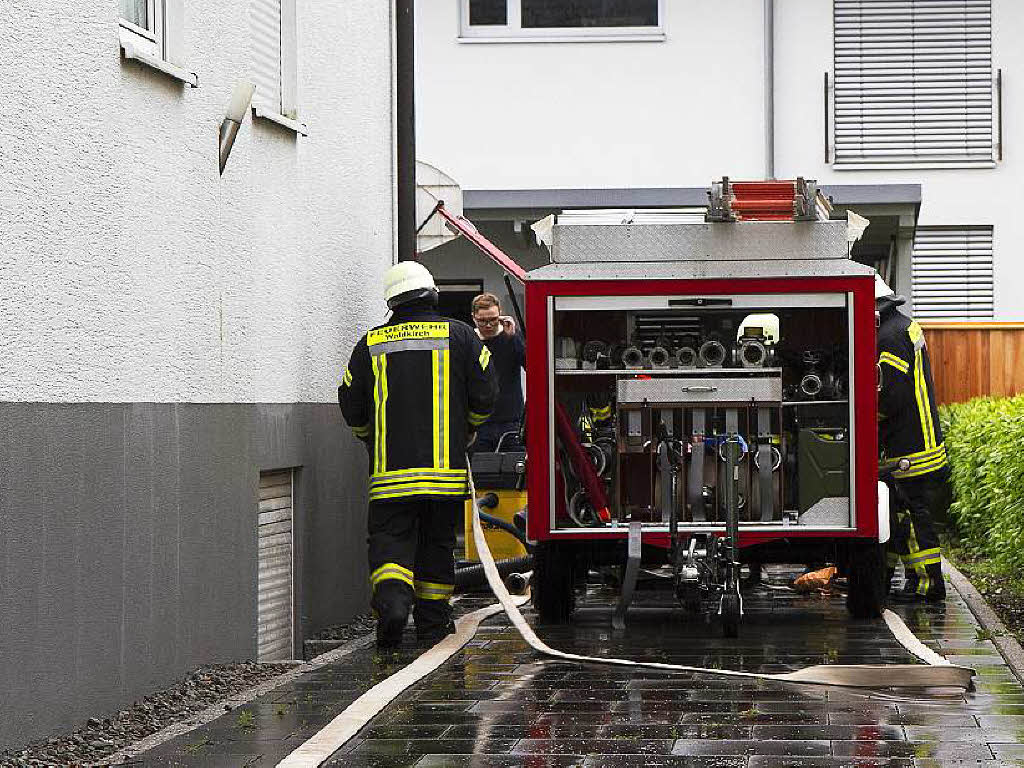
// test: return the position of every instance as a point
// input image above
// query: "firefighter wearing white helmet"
(415, 390)
(912, 447)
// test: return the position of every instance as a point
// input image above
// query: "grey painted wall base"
(128, 545)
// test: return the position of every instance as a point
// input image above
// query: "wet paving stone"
(431, 746)
(807, 748)
(951, 750)
(775, 761)
(500, 761)
(829, 732)
(497, 705)
(632, 746)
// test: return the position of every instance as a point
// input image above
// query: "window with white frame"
(562, 19)
(152, 33)
(274, 29)
(913, 84)
(952, 273)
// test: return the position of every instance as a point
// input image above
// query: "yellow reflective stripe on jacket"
(446, 386)
(895, 361)
(485, 358)
(418, 482)
(921, 463)
(417, 473)
(426, 590)
(361, 431)
(601, 414)
(346, 378)
(417, 490)
(380, 403)
(924, 408)
(391, 571)
(437, 404)
(406, 331)
(476, 419)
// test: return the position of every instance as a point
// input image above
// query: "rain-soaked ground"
(497, 704)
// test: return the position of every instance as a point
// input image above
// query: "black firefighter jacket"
(907, 411)
(413, 391)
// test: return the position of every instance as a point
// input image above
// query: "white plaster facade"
(684, 110)
(132, 272)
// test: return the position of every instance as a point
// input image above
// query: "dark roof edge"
(664, 197)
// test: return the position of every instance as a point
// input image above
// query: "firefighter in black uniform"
(415, 391)
(913, 453)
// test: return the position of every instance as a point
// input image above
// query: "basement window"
(151, 32)
(562, 20)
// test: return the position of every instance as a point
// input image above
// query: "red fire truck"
(701, 394)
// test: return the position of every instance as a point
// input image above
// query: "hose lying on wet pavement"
(937, 672)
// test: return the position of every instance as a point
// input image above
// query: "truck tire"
(867, 577)
(554, 597)
(731, 615)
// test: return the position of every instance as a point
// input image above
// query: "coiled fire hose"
(936, 672)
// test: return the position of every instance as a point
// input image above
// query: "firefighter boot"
(935, 590)
(433, 621)
(928, 587)
(907, 593)
(391, 602)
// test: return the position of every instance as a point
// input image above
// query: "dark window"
(539, 14)
(488, 12)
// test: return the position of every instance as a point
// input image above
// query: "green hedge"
(985, 441)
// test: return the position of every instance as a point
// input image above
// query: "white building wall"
(687, 110)
(130, 271)
(803, 46)
(593, 114)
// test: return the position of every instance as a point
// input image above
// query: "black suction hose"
(474, 576)
(497, 522)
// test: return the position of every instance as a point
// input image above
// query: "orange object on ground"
(815, 580)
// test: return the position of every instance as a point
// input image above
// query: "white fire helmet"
(882, 290)
(407, 281)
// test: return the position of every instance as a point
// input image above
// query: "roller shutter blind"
(274, 552)
(265, 21)
(952, 273)
(913, 83)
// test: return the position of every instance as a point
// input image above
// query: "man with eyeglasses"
(508, 354)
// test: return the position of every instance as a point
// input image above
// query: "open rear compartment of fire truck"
(701, 396)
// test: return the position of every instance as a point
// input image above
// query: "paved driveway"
(497, 704)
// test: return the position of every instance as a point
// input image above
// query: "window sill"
(922, 166)
(654, 37)
(274, 117)
(134, 47)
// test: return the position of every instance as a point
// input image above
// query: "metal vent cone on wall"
(434, 186)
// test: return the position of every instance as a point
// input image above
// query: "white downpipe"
(769, 89)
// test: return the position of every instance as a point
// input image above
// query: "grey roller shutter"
(952, 273)
(913, 83)
(274, 547)
(265, 23)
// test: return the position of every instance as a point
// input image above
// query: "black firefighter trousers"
(915, 505)
(412, 565)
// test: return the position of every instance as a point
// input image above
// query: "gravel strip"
(205, 694)
(360, 625)
(98, 737)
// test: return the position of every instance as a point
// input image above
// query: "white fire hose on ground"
(937, 672)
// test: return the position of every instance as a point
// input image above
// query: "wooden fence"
(974, 359)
